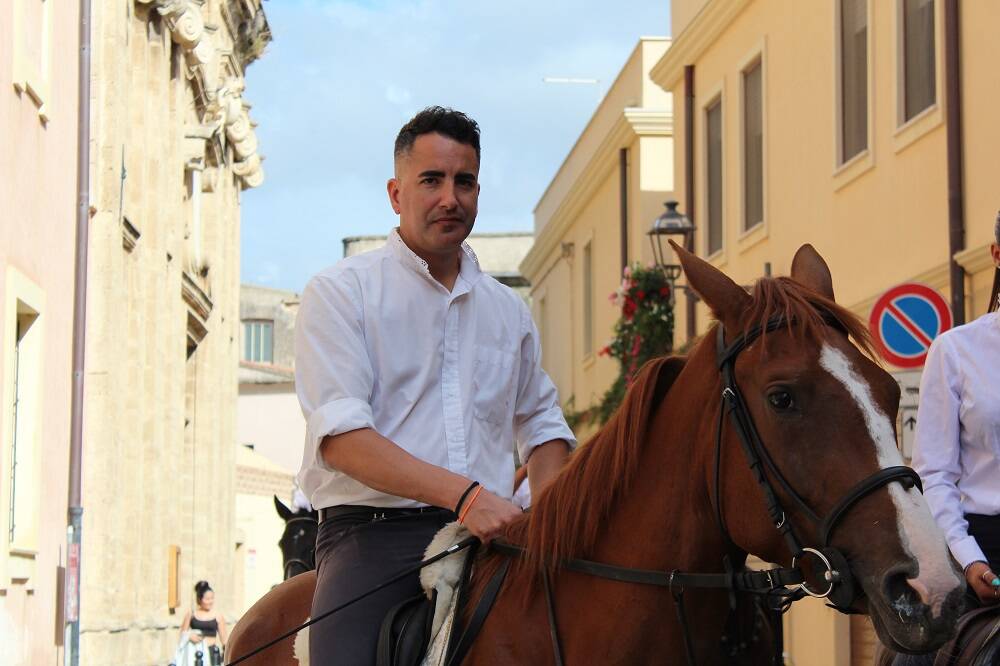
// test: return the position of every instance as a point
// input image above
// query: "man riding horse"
(416, 373)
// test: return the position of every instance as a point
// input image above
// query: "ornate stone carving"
(184, 20)
(247, 146)
(247, 166)
(240, 129)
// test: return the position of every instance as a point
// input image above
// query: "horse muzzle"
(910, 617)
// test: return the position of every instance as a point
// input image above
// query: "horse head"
(823, 413)
(298, 541)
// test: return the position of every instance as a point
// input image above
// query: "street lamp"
(670, 223)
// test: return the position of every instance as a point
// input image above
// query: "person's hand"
(488, 515)
(196, 637)
(984, 582)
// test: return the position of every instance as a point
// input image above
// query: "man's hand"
(489, 515)
(984, 582)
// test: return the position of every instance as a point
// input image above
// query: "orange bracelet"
(465, 511)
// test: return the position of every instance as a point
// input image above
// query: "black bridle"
(841, 589)
(305, 564)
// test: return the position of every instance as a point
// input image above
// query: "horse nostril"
(907, 596)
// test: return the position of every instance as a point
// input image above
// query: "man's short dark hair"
(448, 122)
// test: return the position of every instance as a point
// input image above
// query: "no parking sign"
(904, 322)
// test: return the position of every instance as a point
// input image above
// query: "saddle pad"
(443, 577)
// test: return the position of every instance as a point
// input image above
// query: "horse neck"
(667, 517)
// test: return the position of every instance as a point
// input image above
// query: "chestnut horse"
(666, 486)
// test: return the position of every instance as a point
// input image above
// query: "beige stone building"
(39, 125)
(173, 146)
(270, 430)
(592, 221)
(269, 419)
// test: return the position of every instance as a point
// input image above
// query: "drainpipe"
(74, 531)
(689, 185)
(623, 203)
(956, 181)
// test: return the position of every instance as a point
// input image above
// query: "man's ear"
(392, 189)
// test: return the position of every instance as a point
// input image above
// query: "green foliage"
(645, 330)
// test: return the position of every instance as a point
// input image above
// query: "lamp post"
(670, 223)
(673, 223)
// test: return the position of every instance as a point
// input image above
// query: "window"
(588, 301)
(22, 462)
(753, 147)
(918, 57)
(258, 341)
(713, 164)
(853, 78)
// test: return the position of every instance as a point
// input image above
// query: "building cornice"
(632, 123)
(975, 259)
(699, 34)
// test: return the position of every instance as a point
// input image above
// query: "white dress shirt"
(957, 445)
(453, 378)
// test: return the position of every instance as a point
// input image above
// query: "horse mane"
(566, 518)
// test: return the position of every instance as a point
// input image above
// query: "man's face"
(436, 194)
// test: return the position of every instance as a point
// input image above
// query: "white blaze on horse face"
(918, 532)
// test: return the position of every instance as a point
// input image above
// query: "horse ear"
(810, 270)
(727, 299)
(282, 510)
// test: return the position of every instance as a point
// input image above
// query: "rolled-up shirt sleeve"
(333, 374)
(538, 418)
(937, 450)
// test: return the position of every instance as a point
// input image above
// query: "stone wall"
(172, 148)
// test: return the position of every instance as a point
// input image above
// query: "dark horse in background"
(298, 542)
(666, 486)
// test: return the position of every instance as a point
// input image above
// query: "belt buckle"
(770, 580)
(377, 516)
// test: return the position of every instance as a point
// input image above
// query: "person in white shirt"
(417, 374)
(957, 445)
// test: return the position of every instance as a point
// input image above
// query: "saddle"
(406, 631)
(422, 625)
(976, 641)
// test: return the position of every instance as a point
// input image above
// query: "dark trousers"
(353, 555)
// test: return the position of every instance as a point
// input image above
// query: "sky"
(342, 76)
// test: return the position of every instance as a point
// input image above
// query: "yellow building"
(38, 170)
(592, 220)
(832, 122)
(835, 122)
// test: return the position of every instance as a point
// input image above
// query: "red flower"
(664, 291)
(605, 352)
(640, 294)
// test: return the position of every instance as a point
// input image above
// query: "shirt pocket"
(492, 379)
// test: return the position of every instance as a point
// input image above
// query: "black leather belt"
(374, 513)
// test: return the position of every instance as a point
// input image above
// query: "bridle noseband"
(841, 589)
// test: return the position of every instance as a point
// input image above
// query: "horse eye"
(780, 400)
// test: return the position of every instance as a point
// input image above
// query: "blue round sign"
(905, 321)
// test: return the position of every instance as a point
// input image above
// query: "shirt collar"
(469, 269)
